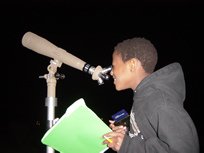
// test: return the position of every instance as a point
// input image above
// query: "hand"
(118, 129)
(116, 138)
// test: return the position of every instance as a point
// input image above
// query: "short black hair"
(139, 48)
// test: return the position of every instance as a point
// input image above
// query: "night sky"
(90, 30)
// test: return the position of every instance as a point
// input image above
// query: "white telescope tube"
(44, 47)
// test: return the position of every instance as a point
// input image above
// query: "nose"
(111, 72)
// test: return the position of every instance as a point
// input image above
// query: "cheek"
(122, 82)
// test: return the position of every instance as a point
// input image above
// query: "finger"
(108, 140)
(119, 128)
(121, 131)
(124, 128)
(111, 121)
(114, 134)
(112, 124)
(105, 142)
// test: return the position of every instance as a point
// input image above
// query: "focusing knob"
(62, 76)
(59, 76)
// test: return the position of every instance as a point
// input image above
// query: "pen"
(109, 140)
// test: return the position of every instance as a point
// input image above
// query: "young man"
(158, 121)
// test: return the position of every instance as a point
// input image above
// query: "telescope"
(46, 48)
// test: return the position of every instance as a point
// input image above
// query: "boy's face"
(123, 78)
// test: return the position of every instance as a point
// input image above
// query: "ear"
(133, 64)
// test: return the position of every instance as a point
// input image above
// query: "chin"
(119, 88)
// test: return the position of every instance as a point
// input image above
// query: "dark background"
(90, 30)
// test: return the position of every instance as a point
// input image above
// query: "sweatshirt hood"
(169, 80)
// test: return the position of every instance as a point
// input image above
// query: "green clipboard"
(79, 130)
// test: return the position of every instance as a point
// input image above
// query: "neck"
(139, 79)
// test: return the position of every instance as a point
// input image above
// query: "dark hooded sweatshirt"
(159, 123)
